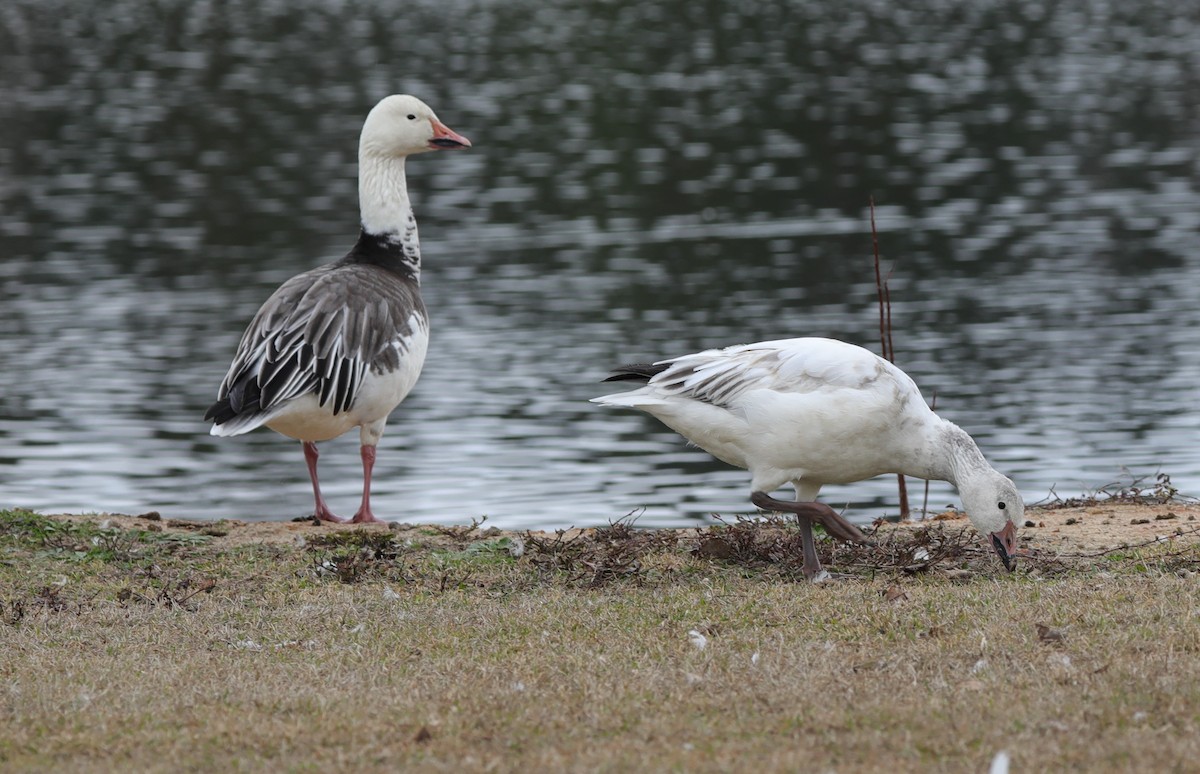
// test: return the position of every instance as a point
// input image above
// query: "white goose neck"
(385, 206)
(958, 457)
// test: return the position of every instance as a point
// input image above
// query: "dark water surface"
(648, 179)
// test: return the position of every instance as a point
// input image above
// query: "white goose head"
(401, 125)
(994, 506)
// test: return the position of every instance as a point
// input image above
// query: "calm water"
(647, 180)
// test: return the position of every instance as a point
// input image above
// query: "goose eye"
(1001, 506)
(412, 117)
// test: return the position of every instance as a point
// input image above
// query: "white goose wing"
(804, 365)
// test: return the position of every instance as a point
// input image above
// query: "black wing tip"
(240, 400)
(220, 412)
(636, 372)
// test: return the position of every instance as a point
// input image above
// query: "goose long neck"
(387, 216)
(952, 455)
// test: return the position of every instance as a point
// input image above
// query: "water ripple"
(647, 180)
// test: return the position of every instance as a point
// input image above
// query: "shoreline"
(1108, 524)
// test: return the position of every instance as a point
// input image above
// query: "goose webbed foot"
(322, 513)
(366, 517)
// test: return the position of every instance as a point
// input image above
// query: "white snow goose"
(340, 346)
(813, 411)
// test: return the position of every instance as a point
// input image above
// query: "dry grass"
(131, 648)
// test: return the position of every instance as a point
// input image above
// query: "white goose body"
(796, 409)
(814, 411)
(342, 345)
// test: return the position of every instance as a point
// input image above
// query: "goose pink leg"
(364, 515)
(322, 511)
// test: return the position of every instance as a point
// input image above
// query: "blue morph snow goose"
(340, 346)
(813, 411)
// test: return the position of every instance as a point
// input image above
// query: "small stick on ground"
(883, 338)
(925, 504)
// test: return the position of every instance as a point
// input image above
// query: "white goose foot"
(820, 576)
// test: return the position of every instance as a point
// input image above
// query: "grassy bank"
(142, 644)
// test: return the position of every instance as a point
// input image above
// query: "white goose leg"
(364, 514)
(369, 436)
(806, 494)
(807, 511)
(321, 510)
(812, 563)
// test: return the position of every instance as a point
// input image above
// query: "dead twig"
(598, 556)
(885, 337)
(1137, 492)
(459, 532)
(925, 502)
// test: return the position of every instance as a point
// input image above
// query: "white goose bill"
(445, 137)
(1005, 543)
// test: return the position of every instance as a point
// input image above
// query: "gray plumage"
(319, 332)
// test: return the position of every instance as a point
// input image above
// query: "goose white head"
(401, 125)
(994, 506)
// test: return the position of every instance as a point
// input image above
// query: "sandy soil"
(1094, 527)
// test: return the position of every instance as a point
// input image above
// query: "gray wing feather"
(320, 332)
(717, 380)
(720, 377)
